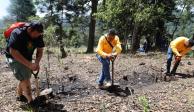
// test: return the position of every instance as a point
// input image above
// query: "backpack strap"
(109, 42)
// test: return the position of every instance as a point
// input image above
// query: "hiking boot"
(21, 98)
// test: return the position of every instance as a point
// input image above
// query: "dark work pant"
(169, 60)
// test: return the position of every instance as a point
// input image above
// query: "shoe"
(100, 86)
(21, 98)
(108, 84)
(33, 104)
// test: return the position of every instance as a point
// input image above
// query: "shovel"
(173, 72)
(177, 62)
(36, 83)
(112, 81)
(48, 91)
(45, 92)
(114, 86)
(112, 72)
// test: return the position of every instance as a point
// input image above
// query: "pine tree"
(21, 9)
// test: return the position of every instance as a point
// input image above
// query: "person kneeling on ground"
(178, 47)
(20, 47)
(105, 53)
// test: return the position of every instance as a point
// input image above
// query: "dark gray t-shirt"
(22, 42)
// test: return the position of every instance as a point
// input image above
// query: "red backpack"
(8, 31)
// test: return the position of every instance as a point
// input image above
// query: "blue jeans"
(105, 73)
(169, 60)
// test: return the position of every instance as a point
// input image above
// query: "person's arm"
(175, 51)
(39, 51)
(18, 57)
(100, 50)
(118, 47)
(185, 52)
(39, 54)
(174, 45)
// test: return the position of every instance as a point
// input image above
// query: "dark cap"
(112, 32)
(37, 26)
(191, 42)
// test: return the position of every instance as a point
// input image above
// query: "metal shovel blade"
(46, 92)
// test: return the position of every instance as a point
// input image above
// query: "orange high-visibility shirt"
(178, 46)
(104, 48)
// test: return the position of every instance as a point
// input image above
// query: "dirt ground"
(140, 79)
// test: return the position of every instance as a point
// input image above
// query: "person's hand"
(114, 54)
(38, 66)
(33, 66)
(109, 56)
(178, 58)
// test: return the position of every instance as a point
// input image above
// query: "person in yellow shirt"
(178, 47)
(108, 47)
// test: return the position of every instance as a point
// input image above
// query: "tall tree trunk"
(92, 24)
(61, 45)
(104, 3)
(159, 36)
(135, 42)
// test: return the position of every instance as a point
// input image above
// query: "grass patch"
(144, 103)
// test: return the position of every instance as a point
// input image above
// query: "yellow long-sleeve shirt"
(104, 48)
(178, 46)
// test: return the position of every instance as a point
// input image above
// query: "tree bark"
(60, 39)
(61, 45)
(135, 42)
(159, 36)
(90, 47)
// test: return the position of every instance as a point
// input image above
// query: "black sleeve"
(14, 40)
(40, 42)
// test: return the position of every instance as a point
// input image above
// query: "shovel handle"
(36, 82)
(112, 73)
(113, 58)
(35, 74)
(37, 87)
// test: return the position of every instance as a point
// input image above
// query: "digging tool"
(40, 99)
(177, 62)
(112, 61)
(171, 76)
(43, 93)
(48, 91)
(111, 84)
(36, 83)
(112, 72)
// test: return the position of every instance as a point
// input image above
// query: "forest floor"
(73, 79)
